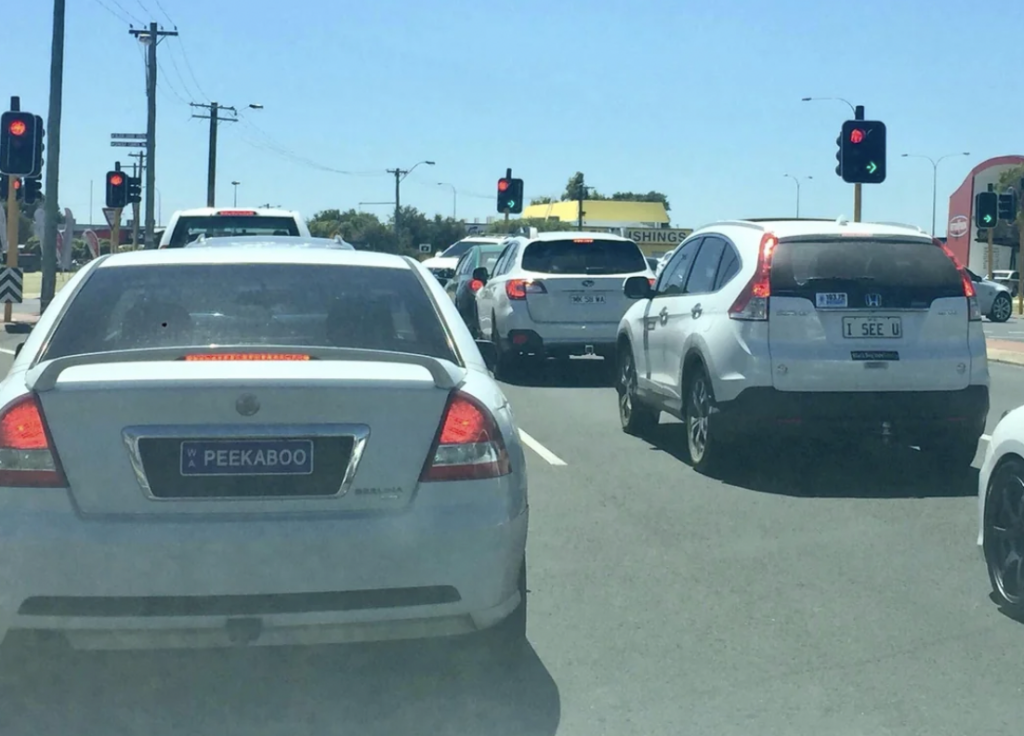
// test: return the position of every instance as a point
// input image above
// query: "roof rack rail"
(918, 228)
(786, 219)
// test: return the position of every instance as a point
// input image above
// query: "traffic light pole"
(115, 232)
(12, 235)
(991, 251)
(858, 114)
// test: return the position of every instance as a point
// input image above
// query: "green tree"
(573, 186)
(541, 200)
(523, 224)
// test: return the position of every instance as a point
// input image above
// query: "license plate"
(872, 327)
(587, 299)
(246, 457)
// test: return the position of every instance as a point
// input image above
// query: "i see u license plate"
(587, 299)
(246, 457)
(872, 327)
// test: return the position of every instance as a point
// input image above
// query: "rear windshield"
(188, 229)
(584, 257)
(897, 273)
(458, 249)
(293, 306)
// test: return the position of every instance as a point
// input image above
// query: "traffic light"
(839, 155)
(510, 196)
(32, 191)
(5, 190)
(1007, 207)
(117, 189)
(21, 144)
(862, 152)
(134, 189)
(985, 209)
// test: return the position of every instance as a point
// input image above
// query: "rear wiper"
(819, 279)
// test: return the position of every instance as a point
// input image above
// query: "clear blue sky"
(700, 100)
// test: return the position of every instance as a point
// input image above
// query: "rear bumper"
(910, 414)
(140, 583)
(531, 342)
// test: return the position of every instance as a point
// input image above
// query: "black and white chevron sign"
(10, 285)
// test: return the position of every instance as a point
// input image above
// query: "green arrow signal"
(987, 219)
(872, 167)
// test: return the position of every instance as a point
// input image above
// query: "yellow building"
(602, 213)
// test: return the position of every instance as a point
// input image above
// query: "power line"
(188, 64)
(160, 7)
(125, 11)
(120, 16)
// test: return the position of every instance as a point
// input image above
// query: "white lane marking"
(546, 454)
(5, 350)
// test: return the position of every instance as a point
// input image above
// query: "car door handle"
(663, 315)
(697, 311)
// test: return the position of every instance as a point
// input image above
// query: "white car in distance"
(225, 446)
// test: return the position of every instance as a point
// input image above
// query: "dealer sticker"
(830, 301)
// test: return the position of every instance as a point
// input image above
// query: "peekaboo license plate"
(247, 457)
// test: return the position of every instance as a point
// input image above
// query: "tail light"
(517, 289)
(652, 282)
(27, 457)
(469, 445)
(973, 308)
(475, 285)
(752, 303)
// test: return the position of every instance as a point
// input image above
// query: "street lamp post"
(235, 185)
(935, 176)
(455, 197)
(796, 180)
(400, 175)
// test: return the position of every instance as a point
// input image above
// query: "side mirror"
(489, 352)
(17, 349)
(638, 287)
(480, 274)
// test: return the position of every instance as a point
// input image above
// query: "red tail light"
(752, 303)
(469, 445)
(973, 308)
(475, 285)
(517, 289)
(652, 282)
(27, 457)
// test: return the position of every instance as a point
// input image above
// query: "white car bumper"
(146, 582)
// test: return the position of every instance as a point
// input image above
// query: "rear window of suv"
(585, 256)
(903, 273)
(250, 305)
(188, 229)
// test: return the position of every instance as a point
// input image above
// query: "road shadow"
(572, 373)
(382, 689)
(817, 469)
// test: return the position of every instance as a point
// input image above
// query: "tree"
(541, 200)
(501, 227)
(572, 189)
(366, 231)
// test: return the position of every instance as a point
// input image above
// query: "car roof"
(575, 235)
(283, 241)
(256, 211)
(790, 228)
(243, 254)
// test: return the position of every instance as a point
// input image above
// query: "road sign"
(133, 136)
(10, 285)
(425, 247)
(113, 215)
(129, 144)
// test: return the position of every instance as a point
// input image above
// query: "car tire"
(706, 449)
(508, 637)
(1004, 534)
(507, 362)
(1002, 308)
(635, 417)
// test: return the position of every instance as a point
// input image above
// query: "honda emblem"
(873, 300)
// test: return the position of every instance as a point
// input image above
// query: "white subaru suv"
(557, 294)
(759, 328)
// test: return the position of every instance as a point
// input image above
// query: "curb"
(1009, 357)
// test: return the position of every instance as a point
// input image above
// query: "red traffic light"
(17, 183)
(117, 180)
(17, 128)
(503, 185)
(856, 135)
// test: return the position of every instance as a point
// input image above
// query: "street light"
(400, 175)
(822, 99)
(935, 175)
(796, 180)
(455, 196)
(235, 185)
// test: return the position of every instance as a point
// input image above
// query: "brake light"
(583, 240)
(652, 282)
(973, 308)
(469, 445)
(245, 356)
(475, 285)
(233, 213)
(752, 303)
(27, 457)
(517, 289)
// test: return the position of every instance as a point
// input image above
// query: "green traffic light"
(872, 167)
(987, 218)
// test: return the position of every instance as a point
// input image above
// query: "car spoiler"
(43, 376)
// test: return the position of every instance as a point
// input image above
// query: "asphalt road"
(1012, 329)
(838, 594)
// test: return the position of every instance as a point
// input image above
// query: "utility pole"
(581, 195)
(152, 36)
(400, 174)
(215, 119)
(48, 253)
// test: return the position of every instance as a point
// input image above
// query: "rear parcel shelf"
(43, 375)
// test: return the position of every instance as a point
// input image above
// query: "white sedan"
(217, 446)
(1001, 510)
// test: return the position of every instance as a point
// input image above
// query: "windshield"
(585, 256)
(243, 304)
(189, 228)
(458, 249)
